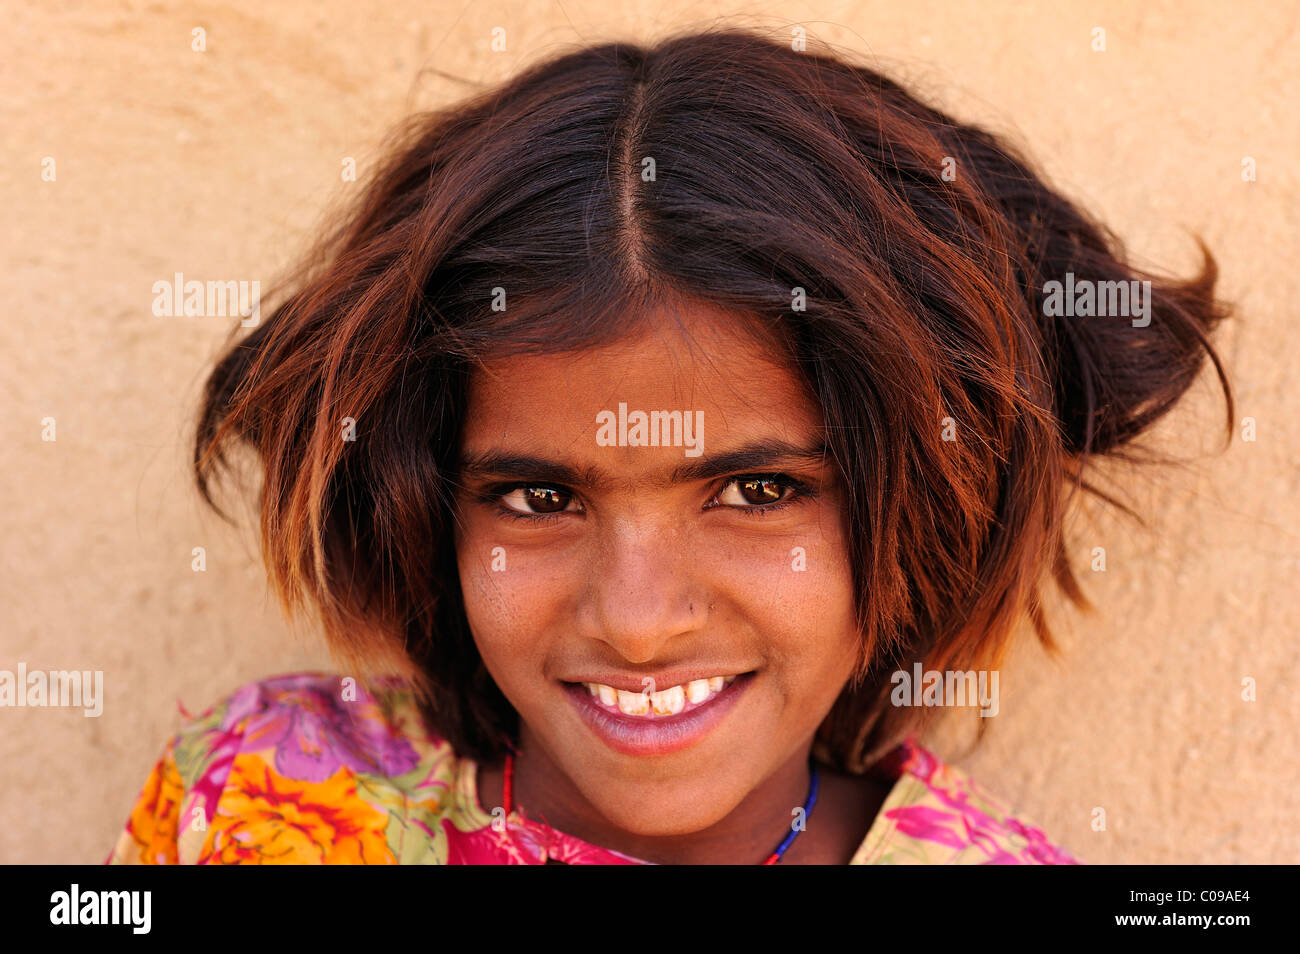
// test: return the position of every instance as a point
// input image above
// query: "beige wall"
(216, 164)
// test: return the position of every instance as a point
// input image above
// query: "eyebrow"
(759, 456)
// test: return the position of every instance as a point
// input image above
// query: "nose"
(642, 591)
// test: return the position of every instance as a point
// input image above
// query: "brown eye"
(537, 499)
(752, 492)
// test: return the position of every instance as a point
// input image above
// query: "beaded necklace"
(772, 859)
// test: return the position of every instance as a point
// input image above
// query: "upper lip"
(660, 682)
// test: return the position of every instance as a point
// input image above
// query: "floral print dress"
(311, 768)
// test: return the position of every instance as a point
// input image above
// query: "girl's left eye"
(760, 493)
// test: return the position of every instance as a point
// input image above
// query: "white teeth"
(633, 703)
(666, 702)
(669, 702)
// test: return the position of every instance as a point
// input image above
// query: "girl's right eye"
(537, 500)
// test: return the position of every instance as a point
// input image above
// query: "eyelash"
(798, 492)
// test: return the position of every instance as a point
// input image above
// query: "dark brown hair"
(772, 170)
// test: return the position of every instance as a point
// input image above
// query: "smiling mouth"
(666, 702)
(657, 723)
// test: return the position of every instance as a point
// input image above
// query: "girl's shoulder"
(304, 768)
(936, 813)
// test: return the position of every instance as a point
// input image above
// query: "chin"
(674, 805)
(661, 818)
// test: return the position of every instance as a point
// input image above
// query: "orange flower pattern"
(268, 819)
(151, 829)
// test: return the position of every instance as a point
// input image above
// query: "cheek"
(797, 580)
(796, 594)
(816, 611)
(510, 597)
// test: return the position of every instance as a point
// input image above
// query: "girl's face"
(588, 556)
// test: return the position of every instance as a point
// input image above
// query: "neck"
(748, 835)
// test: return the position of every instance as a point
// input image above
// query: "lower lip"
(656, 735)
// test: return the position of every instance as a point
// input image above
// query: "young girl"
(647, 426)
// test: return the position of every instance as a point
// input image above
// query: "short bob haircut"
(723, 168)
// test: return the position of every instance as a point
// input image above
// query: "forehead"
(687, 358)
